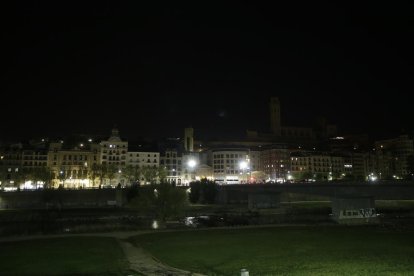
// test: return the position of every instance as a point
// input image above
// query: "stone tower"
(189, 139)
(275, 125)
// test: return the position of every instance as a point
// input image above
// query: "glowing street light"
(372, 177)
(191, 166)
(191, 163)
(243, 166)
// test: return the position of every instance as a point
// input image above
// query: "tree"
(131, 173)
(43, 174)
(20, 175)
(321, 176)
(203, 191)
(348, 177)
(336, 175)
(97, 171)
(149, 174)
(300, 176)
(162, 200)
(307, 175)
(410, 167)
(153, 174)
(162, 174)
(209, 191)
(195, 191)
(110, 171)
(3, 174)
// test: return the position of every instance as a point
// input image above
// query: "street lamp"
(243, 166)
(191, 164)
(62, 177)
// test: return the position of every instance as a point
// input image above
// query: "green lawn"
(60, 256)
(286, 251)
(392, 205)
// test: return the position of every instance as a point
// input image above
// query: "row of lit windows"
(112, 162)
(72, 173)
(113, 146)
(34, 153)
(227, 171)
(144, 165)
(174, 168)
(11, 157)
(266, 162)
(173, 161)
(268, 170)
(74, 157)
(75, 163)
(10, 162)
(138, 155)
(114, 158)
(56, 150)
(315, 163)
(34, 163)
(316, 169)
(35, 158)
(232, 155)
(143, 160)
(228, 161)
(114, 152)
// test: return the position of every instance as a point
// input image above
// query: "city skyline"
(210, 69)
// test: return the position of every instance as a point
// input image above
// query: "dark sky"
(155, 70)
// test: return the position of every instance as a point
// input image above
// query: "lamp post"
(119, 185)
(62, 178)
(191, 164)
(243, 166)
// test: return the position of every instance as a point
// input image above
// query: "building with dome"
(114, 150)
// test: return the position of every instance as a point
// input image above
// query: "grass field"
(286, 250)
(391, 205)
(63, 256)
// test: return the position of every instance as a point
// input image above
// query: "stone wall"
(40, 199)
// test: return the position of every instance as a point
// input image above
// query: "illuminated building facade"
(114, 150)
(392, 157)
(171, 160)
(275, 162)
(231, 166)
(72, 168)
(317, 166)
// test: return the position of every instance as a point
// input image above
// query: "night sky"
(154, 70)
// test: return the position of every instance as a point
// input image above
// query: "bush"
(203, 191)
(162, 200)
(195, 190)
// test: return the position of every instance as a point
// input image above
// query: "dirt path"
(144, 263)
(139, 260)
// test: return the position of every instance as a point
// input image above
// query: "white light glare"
(191, 163)
(372, 177)
(243, 165)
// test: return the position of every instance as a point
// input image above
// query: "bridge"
(352, 202)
